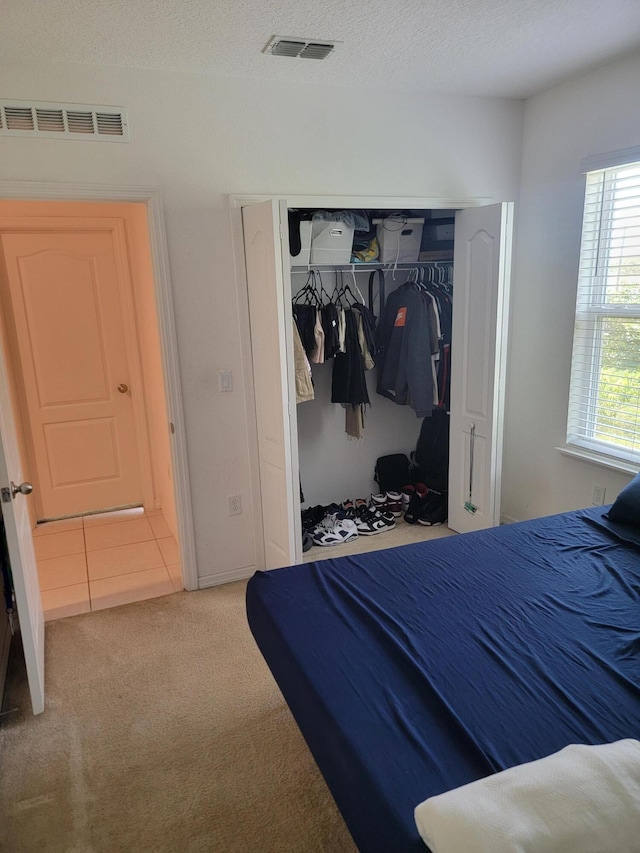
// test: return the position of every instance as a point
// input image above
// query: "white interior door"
(272, 349)
(482, 259)
(69, 318)
(17, 524)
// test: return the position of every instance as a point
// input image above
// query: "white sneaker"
(334, 531)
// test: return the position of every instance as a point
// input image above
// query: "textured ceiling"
(477, 47)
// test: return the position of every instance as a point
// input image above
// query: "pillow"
(583, 799)
(626, 508)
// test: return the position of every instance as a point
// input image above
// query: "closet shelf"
(371, 266)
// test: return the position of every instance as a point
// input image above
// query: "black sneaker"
(417, 504)
(435, 513)
(312, 516)
(379, 510)
(367, 522)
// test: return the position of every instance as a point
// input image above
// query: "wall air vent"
(299, 47)
(63, 121)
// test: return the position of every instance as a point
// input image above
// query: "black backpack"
(430, 462)
(392, 472)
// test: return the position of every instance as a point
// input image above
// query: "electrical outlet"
(598, 495)
(235, 505)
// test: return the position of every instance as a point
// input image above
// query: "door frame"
(236, 202)
(151, 197)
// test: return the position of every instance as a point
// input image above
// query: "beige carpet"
(164, 731)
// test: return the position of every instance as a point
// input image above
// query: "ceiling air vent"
(299, 47)
(19, 118)
(63, 121)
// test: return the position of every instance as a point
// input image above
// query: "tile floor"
(98, 561)
(402, 534)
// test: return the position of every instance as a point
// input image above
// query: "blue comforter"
(413, 670)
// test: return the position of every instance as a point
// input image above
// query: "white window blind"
(604, 400)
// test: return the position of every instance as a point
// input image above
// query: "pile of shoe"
(328, 525)
(338, 523)
(368, 519)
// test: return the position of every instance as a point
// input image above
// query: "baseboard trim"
(507, 519)
(226, 577)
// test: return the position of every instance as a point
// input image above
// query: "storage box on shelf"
(331, 241)
(399, 238)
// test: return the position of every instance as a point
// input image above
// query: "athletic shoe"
(349, 508)
(435, 511)
(334, 531)
(312, 516)
(385, 517)
(406, 494)
(378, 501)
(368, 522)
(394, 504)
(382, 515)
(378, 508)
(335, 510)
(416, 504)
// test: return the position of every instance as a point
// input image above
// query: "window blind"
(604, 399)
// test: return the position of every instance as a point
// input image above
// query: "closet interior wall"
(334, 467)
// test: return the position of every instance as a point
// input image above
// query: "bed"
(414, 670)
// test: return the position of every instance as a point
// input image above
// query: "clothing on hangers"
(367, 359)
(304, 382)
(305, 317)
(404, 374)
(414, 339)
(369, 328)
(317, 356)
(329, 314)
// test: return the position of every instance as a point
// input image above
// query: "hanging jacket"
(405, 366)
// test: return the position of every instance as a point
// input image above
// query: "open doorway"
(82, 344)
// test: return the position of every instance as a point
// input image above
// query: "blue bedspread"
(413, 670)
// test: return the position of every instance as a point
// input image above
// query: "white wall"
(595, 113)
(200, 138)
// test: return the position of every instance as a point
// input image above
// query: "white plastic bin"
(331, 242)
(303, 258)
(399, 239)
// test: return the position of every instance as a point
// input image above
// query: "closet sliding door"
(268, 282)
(481, 266)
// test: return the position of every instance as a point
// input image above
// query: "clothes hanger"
(355, 284)
(308, 293)
(338, 289)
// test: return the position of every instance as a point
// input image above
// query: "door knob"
(22, 489)
(122, 388)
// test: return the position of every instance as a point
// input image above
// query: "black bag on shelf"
(392, 472)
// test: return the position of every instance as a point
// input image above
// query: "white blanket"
(583, 799)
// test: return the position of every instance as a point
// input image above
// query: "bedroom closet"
(387, 276)
(306, 445)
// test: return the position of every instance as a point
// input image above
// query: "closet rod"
(374, 266)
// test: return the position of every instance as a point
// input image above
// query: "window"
(604, 400)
